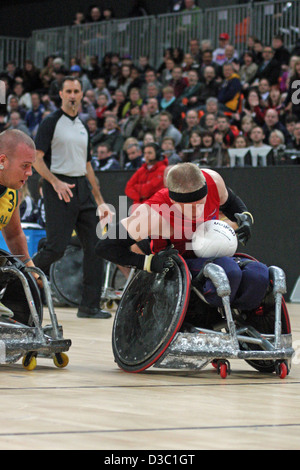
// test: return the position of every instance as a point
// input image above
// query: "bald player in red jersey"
(178, 215)
(168, 221)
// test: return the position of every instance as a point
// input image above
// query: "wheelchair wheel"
(66, 276)
(150, 313)
(14, 296)
(118, 280)
(263, 320)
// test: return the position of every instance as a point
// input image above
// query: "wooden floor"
(93, 405)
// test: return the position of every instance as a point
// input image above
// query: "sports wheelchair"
(66, 278)
(22, 335)
(163, 321)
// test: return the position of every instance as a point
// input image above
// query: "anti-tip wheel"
(61, 360)
(223, 367)
(109, 305)
(282, 370)
(223, 371)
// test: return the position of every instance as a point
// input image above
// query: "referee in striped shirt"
(71, 194)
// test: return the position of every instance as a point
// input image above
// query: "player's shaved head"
(11, 139)
(185, 177)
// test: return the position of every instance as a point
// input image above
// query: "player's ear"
(2, 160)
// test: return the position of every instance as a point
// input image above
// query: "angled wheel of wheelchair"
(118, 280)
(14, 296)
(263, 320)
(66, 276)
(150, 313)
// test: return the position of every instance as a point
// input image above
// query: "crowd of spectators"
(197, 105)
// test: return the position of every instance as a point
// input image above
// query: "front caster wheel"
(61, 360)
(29, 362)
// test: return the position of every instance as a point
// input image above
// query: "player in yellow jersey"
(17, 155)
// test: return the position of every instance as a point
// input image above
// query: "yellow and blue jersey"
(8, 203)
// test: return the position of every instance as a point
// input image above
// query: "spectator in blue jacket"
(105, 160)
(230, 91)
(34, 116)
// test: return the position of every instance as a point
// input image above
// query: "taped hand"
(245, 222)
(160, 262)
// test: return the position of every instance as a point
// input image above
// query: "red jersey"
(183, 228)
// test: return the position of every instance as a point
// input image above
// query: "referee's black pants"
(61, 219)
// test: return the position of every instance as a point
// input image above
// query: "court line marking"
(166, 429)
(99, 387)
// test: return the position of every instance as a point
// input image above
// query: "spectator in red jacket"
(148, 179)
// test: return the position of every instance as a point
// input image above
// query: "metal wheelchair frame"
(19, 340)
(200, 347)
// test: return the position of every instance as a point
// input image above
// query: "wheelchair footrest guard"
(196, 350)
